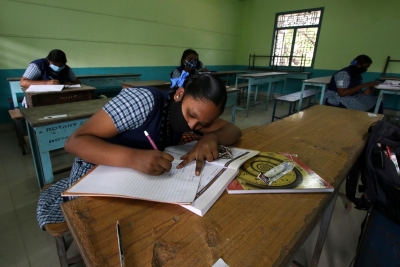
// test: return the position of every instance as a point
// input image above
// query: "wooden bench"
(18, 120)
(59, 230)
(292, 99)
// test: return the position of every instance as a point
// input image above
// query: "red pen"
(150, 140)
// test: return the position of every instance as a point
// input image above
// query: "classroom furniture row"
(243, 230)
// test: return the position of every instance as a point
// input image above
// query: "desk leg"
(321, 101)
(248, 98)
(301, 97)
(233, 114)
(323, 231)
(378, 102)
(270, 90)
(35, 155)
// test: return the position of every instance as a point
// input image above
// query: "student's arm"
(358, 88)
(89, 143)
(220, 132)
(72, 78)
(25, 82)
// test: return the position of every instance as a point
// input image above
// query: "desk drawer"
(35, 100)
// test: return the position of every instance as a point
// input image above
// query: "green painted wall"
(349, 28)
(121, 36)
(149, 36)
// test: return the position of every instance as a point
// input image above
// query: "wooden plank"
(244, 230)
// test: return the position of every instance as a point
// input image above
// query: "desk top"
(325, 79)
(11, 79)
(243, 230)
(147, 83)
(74, 111)
(226, 72)
(65, 90)
(261, 74)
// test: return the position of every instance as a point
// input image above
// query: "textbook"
(178, 186)
(301, 179)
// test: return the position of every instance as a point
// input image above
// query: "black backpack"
(380, 174)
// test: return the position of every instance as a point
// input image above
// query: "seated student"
(190, 63)
(346, 89)
(115, 136)
(49, 70)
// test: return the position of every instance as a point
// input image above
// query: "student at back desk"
(115, 136)
(346, 89)
(50, 70)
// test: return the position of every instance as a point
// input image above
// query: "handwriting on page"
(176, 186)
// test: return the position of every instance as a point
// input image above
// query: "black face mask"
(362, 70)
(178, 122)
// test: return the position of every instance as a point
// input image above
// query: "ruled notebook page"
(175, 186)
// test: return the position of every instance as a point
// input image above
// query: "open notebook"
(179, 186)
(50, 88)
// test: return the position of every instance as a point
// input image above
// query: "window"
(295, 38)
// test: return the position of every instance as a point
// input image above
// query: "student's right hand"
(154, 162)
(53, 82)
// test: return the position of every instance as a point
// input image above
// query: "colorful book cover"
(299, 180)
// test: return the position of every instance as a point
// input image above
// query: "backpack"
(378, 166)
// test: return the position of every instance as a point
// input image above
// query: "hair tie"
(353, 63)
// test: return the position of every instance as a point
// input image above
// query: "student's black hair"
(186, 53)
(206, 87)
(362, 59)
(199, 87)
(57, 56)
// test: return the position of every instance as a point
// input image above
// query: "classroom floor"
(24, 244)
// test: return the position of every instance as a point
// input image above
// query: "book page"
(239, 155)
(45, 88)
(72, 86)
(175, 186)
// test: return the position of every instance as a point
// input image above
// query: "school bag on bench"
(380, 174)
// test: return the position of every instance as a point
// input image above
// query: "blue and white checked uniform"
(128, 110)
(32, 72)
(359, 101)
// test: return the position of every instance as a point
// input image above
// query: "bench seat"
(292, 99)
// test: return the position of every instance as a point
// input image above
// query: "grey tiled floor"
(24, 244)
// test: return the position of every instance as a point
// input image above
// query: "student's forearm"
(26, 83)
(227, 134)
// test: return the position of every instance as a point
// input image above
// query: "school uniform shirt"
(133, 110)
(345, 78)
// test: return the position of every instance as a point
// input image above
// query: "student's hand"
(371, 84)
(154, 162)
(368, 91)
(53, 82)
(205, 149)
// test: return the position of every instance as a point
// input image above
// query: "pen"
(121, 252)
(150, 140)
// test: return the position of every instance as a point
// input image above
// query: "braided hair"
(166, 131)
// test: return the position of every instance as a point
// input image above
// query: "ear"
(179, 94)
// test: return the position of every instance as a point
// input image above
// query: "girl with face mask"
(346, 89)
(115, 136)
(190, 63)
(49, 70)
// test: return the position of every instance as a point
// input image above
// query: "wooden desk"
(66, 95)
(162, 85)
(227, 74)
(257, 79)
(46, 135)
(384, 90)
(243, 230)
(319, 83)
(102, 82)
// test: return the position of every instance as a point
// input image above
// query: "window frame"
(295, 28)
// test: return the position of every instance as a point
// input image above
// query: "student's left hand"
(205, 149)
(368, 91)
